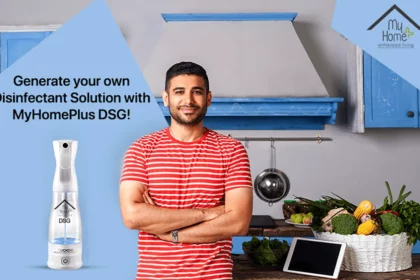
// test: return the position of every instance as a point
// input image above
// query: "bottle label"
(58, 249)
(65, 210)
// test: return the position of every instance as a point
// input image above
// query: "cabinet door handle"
(410, 114)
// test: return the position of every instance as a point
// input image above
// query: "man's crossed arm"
(194, 225)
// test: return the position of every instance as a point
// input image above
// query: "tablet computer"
(315, 257)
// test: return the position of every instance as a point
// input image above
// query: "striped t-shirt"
(182, 175)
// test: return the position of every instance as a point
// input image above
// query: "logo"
(398, 31)
(65, 208)
(64, 251)
(65, 261)
(66, 204)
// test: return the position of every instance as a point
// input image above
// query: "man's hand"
(210, 213)
(140, 212)
(234, 222)
(165, 236)
(147, 198)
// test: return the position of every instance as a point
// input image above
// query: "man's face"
(187, 99)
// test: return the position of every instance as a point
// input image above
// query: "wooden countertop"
(282, 229)
(244, 270)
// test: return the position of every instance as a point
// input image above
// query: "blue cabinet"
(389, 100)
(14, 45)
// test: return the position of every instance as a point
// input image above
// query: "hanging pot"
(271, 185)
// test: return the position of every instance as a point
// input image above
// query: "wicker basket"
(373, 253)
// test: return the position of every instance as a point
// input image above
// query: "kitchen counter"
(282, 229)
(244, 270)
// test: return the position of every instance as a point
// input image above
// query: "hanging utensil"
(271, 185)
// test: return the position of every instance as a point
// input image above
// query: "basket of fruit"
(378, 239)
(266, 252)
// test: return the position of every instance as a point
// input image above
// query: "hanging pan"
(271, 185)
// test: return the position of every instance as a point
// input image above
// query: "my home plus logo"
(398, 31)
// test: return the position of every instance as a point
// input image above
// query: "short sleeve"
(239, 171)
(134, 165)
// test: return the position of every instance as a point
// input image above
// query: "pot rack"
(318, 139)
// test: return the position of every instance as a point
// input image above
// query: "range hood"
(260, 74)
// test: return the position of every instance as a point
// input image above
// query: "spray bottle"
(65, 229)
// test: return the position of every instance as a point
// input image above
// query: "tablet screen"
(315, 257)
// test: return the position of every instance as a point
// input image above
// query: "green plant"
(320, 208)
(410, 214)
(253, 244)
(399, 210)
(389, 203)
(266, 252)
(275, 244)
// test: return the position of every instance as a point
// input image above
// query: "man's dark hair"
(186, 68)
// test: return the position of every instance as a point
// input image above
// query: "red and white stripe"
(181, 175)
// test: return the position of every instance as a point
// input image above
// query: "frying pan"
(271, 185)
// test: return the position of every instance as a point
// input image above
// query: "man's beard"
(178, 116)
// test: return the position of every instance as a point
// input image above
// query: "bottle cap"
(65, 176)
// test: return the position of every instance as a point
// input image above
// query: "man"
(186, 188)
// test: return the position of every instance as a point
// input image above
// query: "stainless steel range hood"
(257, 66)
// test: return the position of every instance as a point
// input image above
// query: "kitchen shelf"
(298, 113)
(229, 17)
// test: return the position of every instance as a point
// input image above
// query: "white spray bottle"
(65, 229)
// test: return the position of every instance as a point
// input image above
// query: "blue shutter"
(16, 44)
(388, 97)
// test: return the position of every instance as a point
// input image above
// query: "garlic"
(333, 213)
(365, 217)
(327, 226)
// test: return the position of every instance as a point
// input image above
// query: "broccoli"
(344, 224)
(392, 224)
